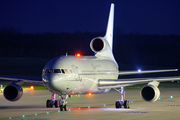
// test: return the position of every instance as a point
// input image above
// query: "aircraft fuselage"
(78, 75)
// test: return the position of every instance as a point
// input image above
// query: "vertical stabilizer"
(109, 30)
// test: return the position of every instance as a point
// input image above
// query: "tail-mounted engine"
(13, 92)
(101, 47)
(150, 93)
(99, 44)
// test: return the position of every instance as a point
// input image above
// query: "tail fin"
(109, 30)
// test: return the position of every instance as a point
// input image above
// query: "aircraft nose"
(50, 81)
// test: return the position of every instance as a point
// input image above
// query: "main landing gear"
(122, 102)
(57, 103)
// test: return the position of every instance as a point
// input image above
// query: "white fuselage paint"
(82, 74)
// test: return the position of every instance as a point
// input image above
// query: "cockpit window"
(66, 71)
(63, 71)
(57, 71)
(49, 70)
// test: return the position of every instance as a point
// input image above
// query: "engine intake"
(98, 44)
(150, 93)
(13, 92)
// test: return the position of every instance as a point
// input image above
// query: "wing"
(145, 71)
(113, 83)
(24, 79)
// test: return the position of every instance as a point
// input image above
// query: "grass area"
(35, 87)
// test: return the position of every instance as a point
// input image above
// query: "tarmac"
(32, 106)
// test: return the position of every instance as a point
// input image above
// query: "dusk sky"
(145, 16)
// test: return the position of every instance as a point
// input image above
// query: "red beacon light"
(78, 55)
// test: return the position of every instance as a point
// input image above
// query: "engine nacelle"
(150, 93)
(99, 44)
(13, 92)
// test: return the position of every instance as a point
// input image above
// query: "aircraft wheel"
(49, 104)
(56, 104)
(126, 104)
(65, 107)
(118, 104)
(61, 107)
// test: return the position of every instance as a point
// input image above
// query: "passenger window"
(57, 71)
(63, 71)
(49, 70)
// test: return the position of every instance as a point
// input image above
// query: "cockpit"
(59, 71)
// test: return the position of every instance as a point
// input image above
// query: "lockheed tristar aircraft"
(71, 75)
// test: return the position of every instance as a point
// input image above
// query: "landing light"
(139, 70)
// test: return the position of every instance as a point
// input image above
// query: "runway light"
(59, 111)
(159, 98)
(131, 101)
(69, 109)
(35, 114)
(79, 108)
(47, 113)
(104, 105)
(88, 106)
(171, 96)
(9, 117)
(31, 87)
(23, 116)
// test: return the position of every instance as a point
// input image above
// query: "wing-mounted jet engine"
(150, 92)
(13, 92)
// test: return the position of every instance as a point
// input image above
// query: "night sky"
(160, 17)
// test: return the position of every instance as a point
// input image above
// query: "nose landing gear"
(63, 103)
(57, 103)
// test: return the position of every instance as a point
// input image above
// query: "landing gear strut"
(122, 102)
(53, 101)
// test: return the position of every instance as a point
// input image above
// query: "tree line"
(134, 48)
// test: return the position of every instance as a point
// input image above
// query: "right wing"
(113, 83)
(145, 71)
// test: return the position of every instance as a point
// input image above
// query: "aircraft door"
(75, 70)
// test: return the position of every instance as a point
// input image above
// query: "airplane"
(75, 74)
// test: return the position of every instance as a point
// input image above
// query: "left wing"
(24, 79)
(113, 83)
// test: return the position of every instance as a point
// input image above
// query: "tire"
(56, 104)
(126, 104)
(65, 107)
(61, 107)
(49, 104)
(117, 104)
